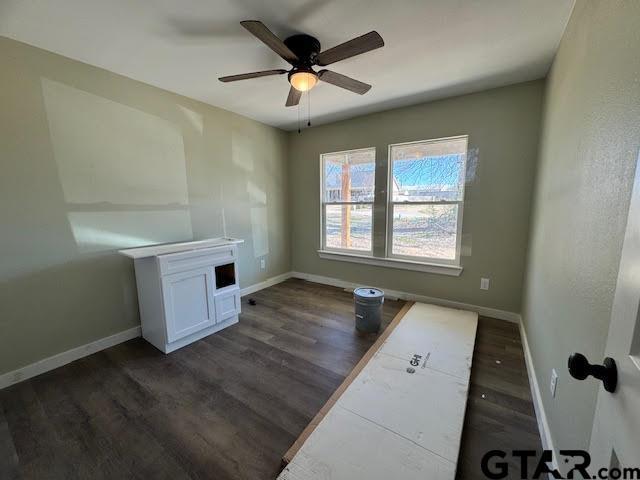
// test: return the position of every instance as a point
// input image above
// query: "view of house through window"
(425, 203)
(347, 199)
(425, 200)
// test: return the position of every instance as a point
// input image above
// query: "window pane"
(425, 230)
(429, 171)
(350, 176)
(348, 226)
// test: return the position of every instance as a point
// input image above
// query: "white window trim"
(442, 269)
(323, 210)
(390, 204)
(415, 263)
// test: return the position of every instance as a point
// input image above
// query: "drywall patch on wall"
(122, 171)
(194, 119)
(260, 231)
(98, 231)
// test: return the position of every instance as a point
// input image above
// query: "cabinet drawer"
(227, 305)
(182, 261)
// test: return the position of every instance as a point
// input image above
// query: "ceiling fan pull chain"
(308, 108)
(298, 117)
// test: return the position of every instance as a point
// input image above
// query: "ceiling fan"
(303, 53)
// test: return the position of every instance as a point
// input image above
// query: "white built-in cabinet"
(186, 291)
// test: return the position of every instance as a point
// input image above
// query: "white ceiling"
(433, 48)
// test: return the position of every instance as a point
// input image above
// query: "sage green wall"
(589, 147)
(92, 162)
(503, 128)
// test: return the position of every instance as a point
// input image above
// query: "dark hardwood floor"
(500, 413)
(230, 405)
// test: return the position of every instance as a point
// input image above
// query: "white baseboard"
(536, 396)
(60, 359)
(69, 356)
(484, 311)
(264, 284)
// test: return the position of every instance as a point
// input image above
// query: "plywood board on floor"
(412, 391)
(288, 456)
(445, 342)
(425, 407)
(346, 446)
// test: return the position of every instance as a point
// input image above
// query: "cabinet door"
(227, 305)
(188, 302)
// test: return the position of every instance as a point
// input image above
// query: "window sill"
(451, 270)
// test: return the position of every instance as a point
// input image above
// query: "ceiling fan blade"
(364, 43)
(294, 97)
(343, 81)
(262, 33)
(245, 76)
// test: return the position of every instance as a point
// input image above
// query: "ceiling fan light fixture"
(303, 80)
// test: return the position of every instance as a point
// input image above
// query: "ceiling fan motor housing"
(305, 47)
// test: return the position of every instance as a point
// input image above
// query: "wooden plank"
(288, 456)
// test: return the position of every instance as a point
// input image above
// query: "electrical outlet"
(484, 284)
(262, 264)
(554, 382)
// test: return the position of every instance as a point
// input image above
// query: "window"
(424, 211)
(425, 197)
(348, 180)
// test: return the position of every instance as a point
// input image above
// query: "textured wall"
(93, 162)
(503, 128)
(589, 146)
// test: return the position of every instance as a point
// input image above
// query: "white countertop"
(154, 250)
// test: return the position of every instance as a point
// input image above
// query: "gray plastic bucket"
(368, 303)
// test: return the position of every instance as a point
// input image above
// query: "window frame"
(324, 203)
(390, 207)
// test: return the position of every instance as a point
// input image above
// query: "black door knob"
(580, 368)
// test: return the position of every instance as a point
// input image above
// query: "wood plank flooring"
(230, 405)
(500, 413)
